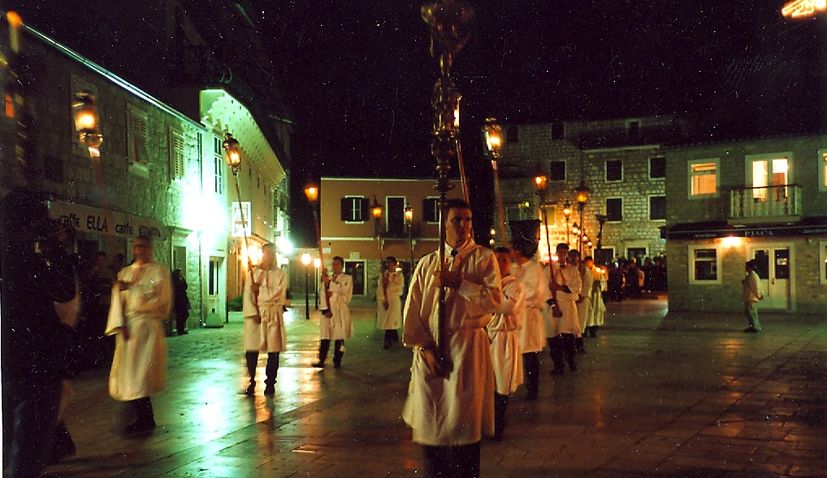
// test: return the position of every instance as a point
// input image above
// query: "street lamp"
(306, 260)
(233, 157)
(87, 121)
(581, 195)
(492, 133)
(567, 215)
(601, 221)
(409, 227)
(541, 187)
(376, 214)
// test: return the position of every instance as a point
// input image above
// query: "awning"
(99, 221)
(710, 230)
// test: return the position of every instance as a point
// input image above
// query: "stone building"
(762, 199)
(620, 161)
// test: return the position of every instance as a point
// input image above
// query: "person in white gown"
(141, 300)
(506, 355)
(597, 309)
(567, 284)
(450, 402)
(264, 318)
(584, 304)
(389, 290)
(335, 323)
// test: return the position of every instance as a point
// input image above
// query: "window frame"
(689, 176)
(822, 262)
(360, 208)
(822, 170)
(658, 178)
(388, 215)
(562, 126)
(218, 164)
(606, 171)
(436, 210)
(565, 169)
(649, 207)
(141, 168)
(606, 204)
(692, 248)
(175, 163)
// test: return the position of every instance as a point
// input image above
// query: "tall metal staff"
(493, 136)
(233, 157)
(448, 20)
(311, 192)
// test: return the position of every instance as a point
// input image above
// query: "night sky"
(358, 77)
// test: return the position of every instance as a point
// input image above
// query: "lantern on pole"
(492, 133)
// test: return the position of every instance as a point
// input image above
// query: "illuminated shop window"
(704, 178)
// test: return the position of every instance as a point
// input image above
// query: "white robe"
(458, 410)
(269, 335)
(391, 318)
(535, 287)
(569, 323)
(584, 307)
(139, 366)
(506, 355)
(597, 308)
(340, 326)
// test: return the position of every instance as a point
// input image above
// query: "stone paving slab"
(684, 395)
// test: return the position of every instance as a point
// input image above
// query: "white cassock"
(597, 308)
(584, 307)
(268, 336)
(568, 276)
(139, 366)
(535, 287)
(340, 326)
(390, 319)
(506, 355)
(460, 409)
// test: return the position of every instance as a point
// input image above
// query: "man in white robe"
(450, 406)
(264, 319)
(597, 309)
(552, 313)
(584, 302)
(568, 285)
(506, 356)
(389, 301)
(336, 323)
(141, 300)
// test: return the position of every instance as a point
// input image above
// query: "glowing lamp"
(540, 183)
(231, 153)
(589, 244)
(493, 232)
(567, 209)
(492, 132)
(731, 241)
(317, 263)
(306, 259)
(582, 193)
(87, 122)
(803, 8)
(375, 209)
(311, 192)
(408, 214)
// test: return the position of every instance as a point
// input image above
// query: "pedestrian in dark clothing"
(181, 301)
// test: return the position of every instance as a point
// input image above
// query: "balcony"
(749, 205)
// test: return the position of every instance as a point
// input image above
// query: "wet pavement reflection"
(656, 395)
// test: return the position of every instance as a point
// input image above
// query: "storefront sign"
(760, 231)
(98, 221)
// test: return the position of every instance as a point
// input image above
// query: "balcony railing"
(781, 202)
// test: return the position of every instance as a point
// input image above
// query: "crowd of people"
(629, 279)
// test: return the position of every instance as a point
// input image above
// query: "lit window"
(703, 178)
(353, 208)
(704, 265)
(9, 105)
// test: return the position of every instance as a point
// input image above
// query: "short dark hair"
(588, 258)
(270, 246)
(456, 204)
(338, 258)
(390, 259)
(752, 264)
(502, 250)
(562, 245)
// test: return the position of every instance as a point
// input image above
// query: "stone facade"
(585, 147)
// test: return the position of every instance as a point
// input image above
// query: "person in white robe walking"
(264, 319)
(450, 405)
(584, 309)
(389, 290)
(506, 356)
(566, 284)
(335, 323)
(141, 300)
(597, 309)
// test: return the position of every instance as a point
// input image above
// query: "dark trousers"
(391, 338)
(531, 366)
(569, 341)
(500, 407)
(32, 412)
(143, 411)
(555, 349)
(181, 323)
(462, 461)
(272, 369)
(338, 353)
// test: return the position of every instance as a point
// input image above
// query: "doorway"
(773, 268)
(356, 270)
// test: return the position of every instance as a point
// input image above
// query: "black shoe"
(337, 364)
(270, 390)
(319, 364)
(140, 427)
(250, 390)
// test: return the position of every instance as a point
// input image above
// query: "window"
(430, 210)
(176, 154)
(558, 130)
(704, 264)
(136, 137)
(354, 208)
(614, 170)
(639, 253)
(512, 134)
(633, 129)
(703, 177)
(214, 276)
(822, 169)
(657, 208)
(822, 261)
(614, 209)
(657, 167)
(218, 165)
(518, 213)
(395, 215)
(557, 170)
(356, 270)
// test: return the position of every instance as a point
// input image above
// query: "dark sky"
(358, 77)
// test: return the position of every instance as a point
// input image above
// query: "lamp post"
(376, 214)
(493, 136)
(541, 187)
(449, 23)
(306, 260)
(233, 158)
(601, 221)
(409, 227)
(581, 197)
(311, 192)
(567, 215)
(317, 264)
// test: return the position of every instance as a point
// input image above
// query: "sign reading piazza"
(98, 221)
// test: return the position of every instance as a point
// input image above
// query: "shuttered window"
(177, 162)
(136, 136)
(353, 208)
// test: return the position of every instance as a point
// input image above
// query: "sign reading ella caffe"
(100, 221)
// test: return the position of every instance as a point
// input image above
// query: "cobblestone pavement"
(685, 396)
